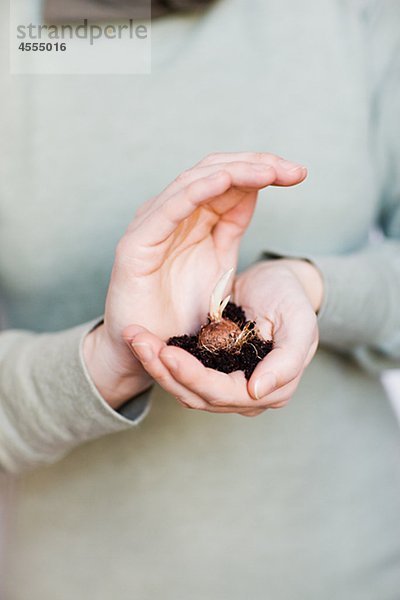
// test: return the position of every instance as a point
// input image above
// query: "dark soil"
(227, 361)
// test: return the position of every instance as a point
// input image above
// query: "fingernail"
(142, 351)
(169, 361)
(289, 166)
(264, 385)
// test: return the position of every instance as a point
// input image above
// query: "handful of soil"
(227, 342)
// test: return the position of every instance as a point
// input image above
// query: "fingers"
(163, 221)
(294, 345)
(276, 399)
(218, 389)
(239, 170)
(196, 386)
(229, 230)
(287, 172)
(146, 348)
(242, 173)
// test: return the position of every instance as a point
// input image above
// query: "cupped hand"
(282, 296)
(168, 261)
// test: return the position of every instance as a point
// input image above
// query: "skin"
(294, 291)
(182, 240)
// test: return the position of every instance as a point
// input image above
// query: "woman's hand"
(167, 263)
(283, 297)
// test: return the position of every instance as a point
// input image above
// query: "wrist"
(116, 373)
(309, 277)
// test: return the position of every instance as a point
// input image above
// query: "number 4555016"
(42, 47)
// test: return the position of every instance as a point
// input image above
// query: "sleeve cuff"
(360, 302)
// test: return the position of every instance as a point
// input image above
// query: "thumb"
(145, 345)
(130, 332)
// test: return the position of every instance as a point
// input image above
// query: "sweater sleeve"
(361, 308)
(360, 313)
(48, 402)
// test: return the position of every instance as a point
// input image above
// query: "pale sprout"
(219, 333)
(217, 303)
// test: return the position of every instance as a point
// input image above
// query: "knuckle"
(182, 177)
(124, 252)
(281, 404)
(195, 406)
(123, 249)
(162, 378)
(186, 405)
(262, 157)
(211, 158)
(251, 413)
(191, 192)
(189, 381)
(128, 257)
(269, 156)
(227, 178)
(218, 402)
(239, 167)
(182, 401)
(143, 208)
(139, 212)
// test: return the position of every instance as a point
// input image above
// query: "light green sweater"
(300, 503)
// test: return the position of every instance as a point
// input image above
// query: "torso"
(191, 505)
